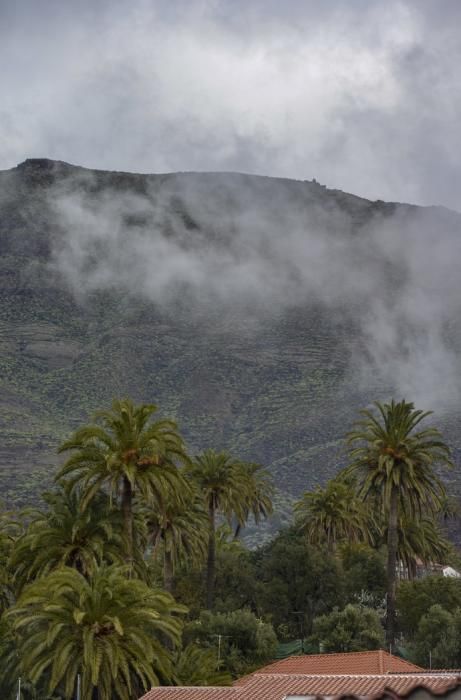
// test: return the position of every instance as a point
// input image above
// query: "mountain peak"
(44, 164)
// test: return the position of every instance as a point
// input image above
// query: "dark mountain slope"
(246, 307)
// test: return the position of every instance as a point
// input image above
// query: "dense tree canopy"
(86, 578)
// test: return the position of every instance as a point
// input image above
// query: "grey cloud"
(364, 96)
(209, 241)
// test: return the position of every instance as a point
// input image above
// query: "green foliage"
(333, 514)
(197, 666)
(178, 529)
(64, 535)
(9, 530)
(394, 464)
(80, 611)
(241, 639)
(296, 582)
(110, 629)
(364, 575)
(233, 489)
(387, 453)
(126, 452)
(437, 642)
(355, 628)
(236, 579)
(415, 598)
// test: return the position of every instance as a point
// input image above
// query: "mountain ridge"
(247, 307)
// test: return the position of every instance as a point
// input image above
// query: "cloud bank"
(362, 95)
(257, 248)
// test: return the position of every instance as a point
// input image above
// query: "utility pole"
(220, 636)
(18, 697)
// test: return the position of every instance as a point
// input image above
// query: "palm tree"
(394, 463)
(334, 514)
(127, 453)
(228, 488)
(106, 629)
(197, 666)
(257, 495)
(65, 535)
(420, 539)
(179, 531)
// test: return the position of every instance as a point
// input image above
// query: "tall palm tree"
(107, 629)
(64, 535)
(394, 463)
(228, 488)
(178, 530)
(257, 495)
(334, 514)
(126, 452)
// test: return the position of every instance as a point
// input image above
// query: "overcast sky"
(363, 95)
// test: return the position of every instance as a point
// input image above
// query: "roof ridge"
(396, 674)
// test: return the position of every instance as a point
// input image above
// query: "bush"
(241, 639)
(355, 628)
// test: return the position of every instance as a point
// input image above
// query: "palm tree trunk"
(168, 571)
(392, 542)
(211, 560)
(127, 512)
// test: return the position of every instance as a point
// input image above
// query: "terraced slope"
(252, 356)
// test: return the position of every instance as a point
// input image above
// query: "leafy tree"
(333, 514)
(127, 453)
(415, 598)
(241, 639)
(226, 484)
(364, 575)
(437, 640)
(355, 628)
(65, 535)
(178, 528)
(236, 579)
(106, 628)
(394, 464)
(296, 582)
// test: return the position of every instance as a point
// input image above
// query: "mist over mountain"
(261, 313)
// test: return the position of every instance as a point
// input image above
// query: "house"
(360, 674)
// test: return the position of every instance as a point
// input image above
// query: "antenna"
(220, 636)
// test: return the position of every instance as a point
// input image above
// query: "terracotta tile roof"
(277, 687)
(190, 693)
(364, 662)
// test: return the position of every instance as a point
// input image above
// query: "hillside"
(261, 313)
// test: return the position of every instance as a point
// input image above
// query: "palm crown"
(124, 451)
(106, 629)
